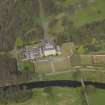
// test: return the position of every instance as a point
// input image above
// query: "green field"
(97, 98)
(95, 76)
(63, 96)
(61, 65)
(93, 12)
(54, 96)
(64, 76)
(86, 60)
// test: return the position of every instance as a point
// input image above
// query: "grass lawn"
(95, 76)
(97, 98)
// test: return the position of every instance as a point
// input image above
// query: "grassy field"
(44, 67)
(93, 12)
(86, 60)
(94, 76)
(63, 96)
(97, 98)
(60, 64)
(60, 96)
(64, 76)
(74, 75)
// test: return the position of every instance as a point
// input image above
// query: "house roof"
(48, 44)
(30, 52)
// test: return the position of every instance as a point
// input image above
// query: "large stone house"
(46, 48)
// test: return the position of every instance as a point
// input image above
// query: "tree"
(8, 25)
(19, 42)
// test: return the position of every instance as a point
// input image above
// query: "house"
(45, 48)
(31, 52)
(50, 48)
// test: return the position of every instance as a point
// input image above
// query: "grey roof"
(48, 45)
(31, 52)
